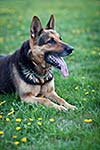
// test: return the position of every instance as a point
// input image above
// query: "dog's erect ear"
(50, 24)
(36, 27)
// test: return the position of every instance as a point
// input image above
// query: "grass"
(46, 128)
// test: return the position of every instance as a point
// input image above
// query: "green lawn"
(44, 128)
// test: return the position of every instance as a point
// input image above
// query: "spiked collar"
(30, 76)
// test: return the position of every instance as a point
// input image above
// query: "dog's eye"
(60, 38)
(52, 41)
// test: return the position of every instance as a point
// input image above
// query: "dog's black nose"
(69, 48)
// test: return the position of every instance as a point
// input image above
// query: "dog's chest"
(22, 87)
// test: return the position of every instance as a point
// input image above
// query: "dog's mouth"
(57, 61)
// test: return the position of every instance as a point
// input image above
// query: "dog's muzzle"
(67, 51)
(56, 60)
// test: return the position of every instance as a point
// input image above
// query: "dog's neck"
(42, 69)
(41, 66)
(31, 72)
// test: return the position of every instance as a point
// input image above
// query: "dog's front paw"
(62, 108)
(73, 107)
(69, 106)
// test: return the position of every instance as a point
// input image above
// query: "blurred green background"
(74, 19)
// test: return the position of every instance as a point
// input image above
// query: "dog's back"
(6, 83)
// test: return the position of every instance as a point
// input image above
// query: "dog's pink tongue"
(64, 69)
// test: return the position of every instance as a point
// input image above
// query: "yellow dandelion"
(3, 102)
(11, 113)
(1, 116)
(39, 119)
(1, 39)
(88, 120)
(84, 89)
(93, 52)
(83, 77)
(86, 93)
(39, 123)
(18, 128)
(29, 123)
(51, 119)
(7, 119)
(84, 99)
(24, 139)
(78, 31)
(20, 18)
(76, 88)
(93, 91)
(18, 119)
(16, 142)
(14, 136)
(1, 132)
(30, 119)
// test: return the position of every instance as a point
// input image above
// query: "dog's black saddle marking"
(6, 79)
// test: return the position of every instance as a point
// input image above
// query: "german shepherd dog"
(28, 71)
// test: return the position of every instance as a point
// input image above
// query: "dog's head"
(47, 46)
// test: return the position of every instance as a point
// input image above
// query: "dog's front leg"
(29, 98)
(61, 101)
